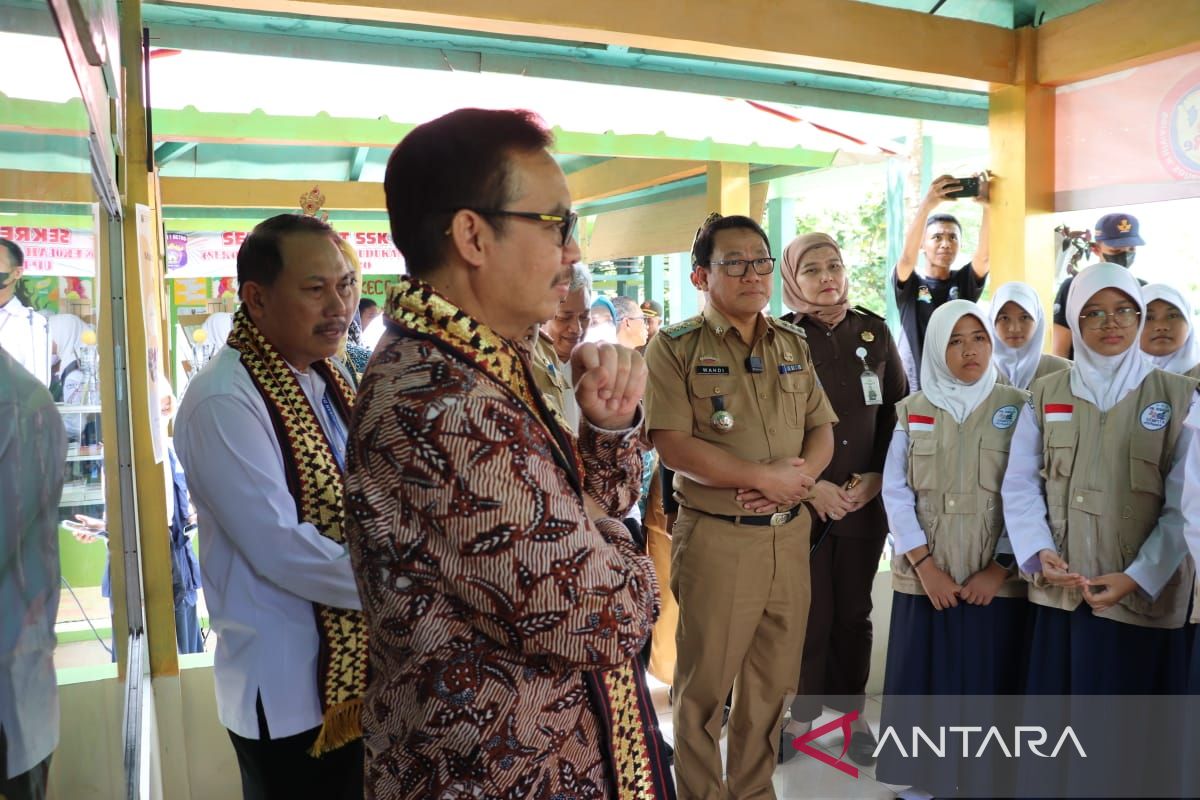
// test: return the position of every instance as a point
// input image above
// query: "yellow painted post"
(728, 188)
(1021, 130)
(146, 348)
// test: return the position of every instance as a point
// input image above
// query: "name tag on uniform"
(709, 370)
(872, 393)
(920, 423)
(784, 369)
(1059, 412)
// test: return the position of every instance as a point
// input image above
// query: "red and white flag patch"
(1059, 412)
(920, 422)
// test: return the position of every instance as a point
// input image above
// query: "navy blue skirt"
(1076, 652)
(972, 653)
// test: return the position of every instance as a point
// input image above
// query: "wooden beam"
(1114, 35)
(357, 162)
(623, 175)
(728, 189)
(1021, 132)
(234, 193)
(826, 35)
(46, 187)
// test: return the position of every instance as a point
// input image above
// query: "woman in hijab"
(1092, 498)
(958, 609)
(858, 364)
(1168, 337)
(1020, 328)
(66, 332)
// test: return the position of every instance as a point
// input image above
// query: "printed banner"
(66, 252)
(1129, 137)
(214, 254)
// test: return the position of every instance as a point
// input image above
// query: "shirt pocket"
(1145, 473)
(795, 389)
(922, 464)
(710, 393)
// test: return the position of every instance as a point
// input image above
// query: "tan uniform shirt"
(1104, 478)
(955, 471)
(701, 366)
(551, 382)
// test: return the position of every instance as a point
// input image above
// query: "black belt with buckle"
(774, 520)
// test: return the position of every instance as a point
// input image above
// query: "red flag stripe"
(1059, 408)
(920, 418)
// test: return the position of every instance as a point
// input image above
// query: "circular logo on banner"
(1178, 142)
(1004, 417)
(1156, 416)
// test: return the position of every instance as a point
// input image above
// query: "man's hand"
(91, 530)
(981, 587)
(609, 383)
(939, 188)
(1058, 573)
(783, 481)
(1108, 590)
(985, 187)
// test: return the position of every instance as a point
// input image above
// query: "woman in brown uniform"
(859, 366)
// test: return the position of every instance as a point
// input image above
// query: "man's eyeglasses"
(566, 222)
(1125, 317)
(736, 267)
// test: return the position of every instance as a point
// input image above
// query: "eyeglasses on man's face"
(736, 267)
(1124, 317)
(566, 222)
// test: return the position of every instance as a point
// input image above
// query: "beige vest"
(955, 472)
(1104, 474)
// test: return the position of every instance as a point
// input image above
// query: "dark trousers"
(837, 646)
(282, 769)
(30, 785)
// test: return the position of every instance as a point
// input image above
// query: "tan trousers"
(658, 547)
(743, 594)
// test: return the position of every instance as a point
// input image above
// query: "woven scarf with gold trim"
(619, 696)
(315, 481)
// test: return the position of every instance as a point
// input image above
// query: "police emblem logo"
(1156, 416)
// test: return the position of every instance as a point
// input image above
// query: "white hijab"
(218, 326)
(1188, 355)
(1018, 365)
(937, 382)
(1105, 380)
(66, 331)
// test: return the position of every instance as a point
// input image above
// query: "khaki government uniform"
(551, 380)
(742, 588)
(956, 471)
(1104, 475)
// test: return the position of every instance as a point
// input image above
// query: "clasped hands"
(1101, 593)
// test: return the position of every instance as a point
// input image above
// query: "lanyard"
(338, 431)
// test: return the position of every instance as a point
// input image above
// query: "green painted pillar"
(781, 229)
(683, 298)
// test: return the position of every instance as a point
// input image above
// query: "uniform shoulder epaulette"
(789, 326)
(545, 337)
(680, 328)
(866, 312)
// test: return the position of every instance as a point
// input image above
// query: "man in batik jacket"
(505, 603)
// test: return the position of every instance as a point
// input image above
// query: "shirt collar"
(721, 325)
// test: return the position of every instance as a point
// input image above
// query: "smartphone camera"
(969, 187)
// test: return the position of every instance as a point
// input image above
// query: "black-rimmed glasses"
(566, 222)
(736, 267)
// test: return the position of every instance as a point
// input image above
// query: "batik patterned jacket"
(488, 592)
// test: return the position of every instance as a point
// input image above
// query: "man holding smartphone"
(938, 236)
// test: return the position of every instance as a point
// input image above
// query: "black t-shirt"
(1060, 306)
(916, 299)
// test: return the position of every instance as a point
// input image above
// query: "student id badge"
(872, 392)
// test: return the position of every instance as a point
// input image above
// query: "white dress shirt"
(1026, 514)
(25, 335)
(262, 568)
(33, 448)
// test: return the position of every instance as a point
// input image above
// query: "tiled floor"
(803, 776)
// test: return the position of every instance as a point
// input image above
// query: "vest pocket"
(1145, 474)
(796, 387)
(993, 460)
(1059, 456)
(922, 463)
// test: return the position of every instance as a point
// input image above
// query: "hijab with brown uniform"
(793, 297)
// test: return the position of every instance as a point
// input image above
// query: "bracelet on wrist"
(921, 560)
